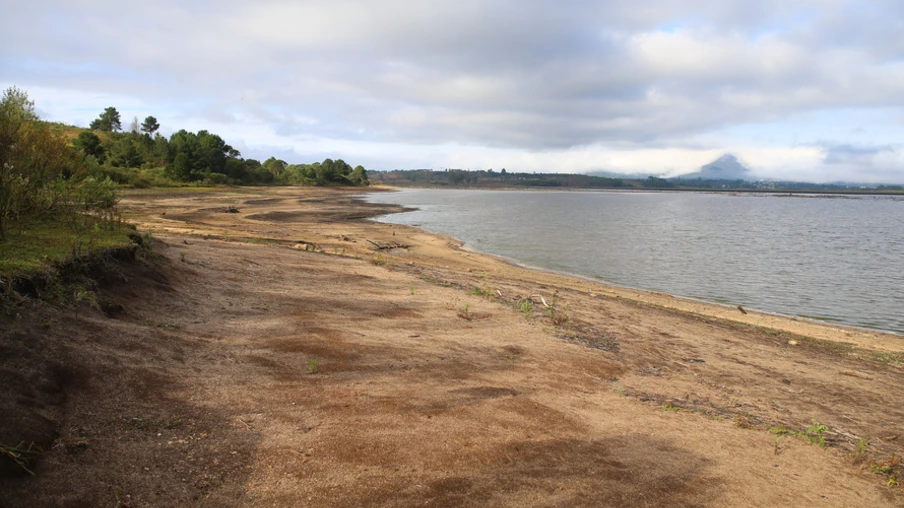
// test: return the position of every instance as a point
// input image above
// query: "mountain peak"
(726, 167)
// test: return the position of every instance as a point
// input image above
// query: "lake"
(829, 258)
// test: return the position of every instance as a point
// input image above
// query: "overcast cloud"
(811, 89)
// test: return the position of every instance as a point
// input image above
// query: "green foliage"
(275, 166)
(526, 306)
(192, 156)
(89, 144)
(482, 290)
(126, 151)
(312, 366)
(668, 406)
(328, 172)
(53, 240)
(42, 176)
(150, 125)
(358, 176)
(814, 433)
(108, 121)
(143, 158)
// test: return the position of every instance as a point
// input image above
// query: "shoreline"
(889, 340)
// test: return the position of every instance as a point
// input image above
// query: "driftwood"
(387, 246)
(541, 299)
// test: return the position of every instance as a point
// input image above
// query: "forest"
(140, 156)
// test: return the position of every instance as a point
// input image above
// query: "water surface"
(829, 258)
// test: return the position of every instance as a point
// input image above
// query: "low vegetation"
(815, 433)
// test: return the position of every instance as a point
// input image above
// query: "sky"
(806, 90)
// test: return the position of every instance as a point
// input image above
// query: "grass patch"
(59, 262)
(40, 244)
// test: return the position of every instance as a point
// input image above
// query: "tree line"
(141, 157)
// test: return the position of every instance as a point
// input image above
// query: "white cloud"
(553, 86)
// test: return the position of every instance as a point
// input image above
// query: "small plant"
(860, 453)
(526, 306)
(813, 434)
(743, 422)
(891, 468)
(378, 260)
(173, 423)
(312, 366)
(21, 456)
(559, 317)
(410, 290)
(482, 290)
(668, 406)
(83, 295)
(465, 312)
(182, 257)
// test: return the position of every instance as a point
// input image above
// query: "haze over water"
(829, 258)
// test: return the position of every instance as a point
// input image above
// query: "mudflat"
(280, 349)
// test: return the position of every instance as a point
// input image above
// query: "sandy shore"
(295, 353)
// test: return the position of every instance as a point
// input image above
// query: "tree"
(125, 152)
(358, 176)
(40, 174)
(275, 166)
(108, 121)
(150, 125)
(88, 143)
(15, 112)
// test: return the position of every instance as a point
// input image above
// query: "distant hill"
(726, 167)
(628, 176)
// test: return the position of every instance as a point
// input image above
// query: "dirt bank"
(294, 353)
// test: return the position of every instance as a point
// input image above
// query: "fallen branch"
(387, 246)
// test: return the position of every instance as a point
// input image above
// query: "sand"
(297, 354)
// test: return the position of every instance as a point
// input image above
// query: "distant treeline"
(488, 179)
(140, 157)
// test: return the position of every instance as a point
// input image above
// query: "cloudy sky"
(804, 89)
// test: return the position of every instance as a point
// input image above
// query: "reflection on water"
(830, 259)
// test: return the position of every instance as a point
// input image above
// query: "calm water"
(827, 258)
